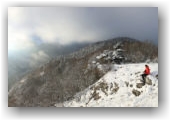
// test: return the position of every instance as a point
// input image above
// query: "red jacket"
(147, 70)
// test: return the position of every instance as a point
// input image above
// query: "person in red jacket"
(146, 72)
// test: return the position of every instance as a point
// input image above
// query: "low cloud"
(19, 39)
(38, 58)
(64, 25)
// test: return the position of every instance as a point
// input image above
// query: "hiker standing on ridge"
(146, 72)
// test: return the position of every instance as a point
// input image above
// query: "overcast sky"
(31, 26)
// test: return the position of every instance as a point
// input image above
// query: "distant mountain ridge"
(62, 77)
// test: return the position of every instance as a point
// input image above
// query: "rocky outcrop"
(112, 56)
(136, 92)
(148, 81)
(139, 85)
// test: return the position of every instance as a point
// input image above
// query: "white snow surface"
(120, 74)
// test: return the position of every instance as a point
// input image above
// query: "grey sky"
(29, 26)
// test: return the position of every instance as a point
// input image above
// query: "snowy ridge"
(119, 88)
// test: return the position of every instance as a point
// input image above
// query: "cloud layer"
(64, 25)
(38, 58)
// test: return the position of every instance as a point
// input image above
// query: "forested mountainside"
(62, 77)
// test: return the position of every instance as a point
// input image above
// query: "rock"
(111, 86)
(136, 92)
(116, 85)
(157, 76)
(103, 86)
(131, 85)
(148, 81)
(95, 95)
(139, 85)
(127, 83)
(115, 89)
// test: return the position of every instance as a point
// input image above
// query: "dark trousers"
(144, 77)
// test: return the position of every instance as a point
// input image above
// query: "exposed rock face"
(139, 85)
(115, 89)
(115, 56)
(136, 92)
(148, 81)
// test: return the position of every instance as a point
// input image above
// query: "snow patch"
(118, 88)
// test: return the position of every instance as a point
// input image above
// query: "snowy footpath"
(121, 87)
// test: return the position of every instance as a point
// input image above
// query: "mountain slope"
(118, 88)
(61, 78)
(22, 62)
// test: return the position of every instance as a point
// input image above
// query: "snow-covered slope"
(120, 87)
